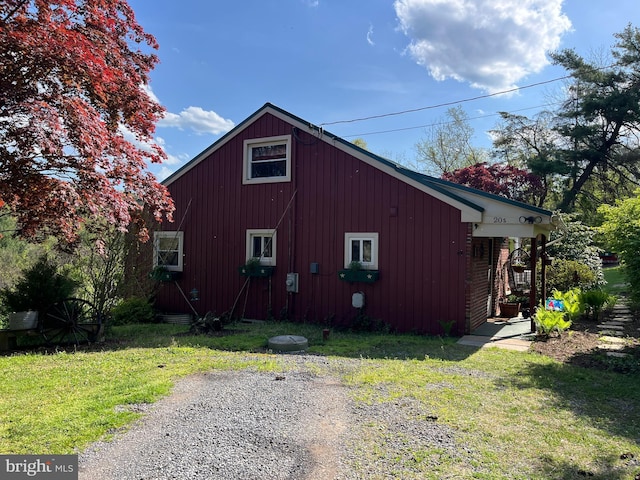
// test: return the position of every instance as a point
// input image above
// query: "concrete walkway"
(514, 334)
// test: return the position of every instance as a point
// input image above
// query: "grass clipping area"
(499, 414)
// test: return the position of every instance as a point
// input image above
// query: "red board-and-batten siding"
(423, 245)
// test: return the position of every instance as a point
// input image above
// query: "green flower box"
(258, 271)
(161, 275)
(363, 276)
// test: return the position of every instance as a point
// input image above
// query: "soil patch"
(579, 346)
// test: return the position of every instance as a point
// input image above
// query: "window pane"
(257, 246)
(268, 152)
(168, 259)
(269, 161)
(168, 243)
(267, 247)
(261, 246)
(355, 251)
(366, 251)
(269, 169)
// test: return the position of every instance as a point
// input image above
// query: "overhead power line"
(448, 104)
(446, 122)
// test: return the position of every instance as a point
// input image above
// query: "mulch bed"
(579, 347)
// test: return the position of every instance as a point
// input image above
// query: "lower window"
(168, 250)
(361, 248)
(261, 244)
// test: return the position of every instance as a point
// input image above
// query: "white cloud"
(492, 44)
(370, 36)
(176, 159)
(163, 173)
(196, 119)
(146, 88)
(130, 137)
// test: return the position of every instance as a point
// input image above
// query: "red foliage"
(76, 126)
(500, 179)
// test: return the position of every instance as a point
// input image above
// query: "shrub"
(595, 301)
(565, 275)
(132, 310)
(550, 321)
(577, 246)
(572, 303)
(40, 287)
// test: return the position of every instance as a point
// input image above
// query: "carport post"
(532, 292)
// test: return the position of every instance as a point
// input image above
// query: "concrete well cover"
(288, 343)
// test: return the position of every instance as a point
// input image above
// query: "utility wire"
(437, 124)
(464, 100)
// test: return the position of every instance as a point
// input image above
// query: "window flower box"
(161, 274)
(256, 271)
(363, 276)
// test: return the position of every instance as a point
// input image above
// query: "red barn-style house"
(281, 219)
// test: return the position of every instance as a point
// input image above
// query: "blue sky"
(332, 61)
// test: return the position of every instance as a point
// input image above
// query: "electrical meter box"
(292, 282)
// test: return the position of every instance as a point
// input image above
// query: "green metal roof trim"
(437, 184)
(481, 193)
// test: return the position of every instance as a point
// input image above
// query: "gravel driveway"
(247, 424)
(233, 425)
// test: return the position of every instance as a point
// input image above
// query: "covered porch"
(508, 264)
(494, 221)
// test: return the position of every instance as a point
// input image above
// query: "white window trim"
(249, 244)
(373, 236)
(258, 142)
(169, 234)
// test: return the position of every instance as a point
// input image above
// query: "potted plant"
(509, 307)
(518, 267)
(356, 273)
(253, 268)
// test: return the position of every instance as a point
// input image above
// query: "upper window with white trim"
(267, 160)
(261, 244)
(168, 250)
(361, 248)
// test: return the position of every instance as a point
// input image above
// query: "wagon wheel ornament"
(72, 320)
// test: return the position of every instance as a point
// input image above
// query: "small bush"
(550, 321)
(132, 310)
(40, 287)
(571, 300)
(447, 327)
(595, 301)
(564, 275)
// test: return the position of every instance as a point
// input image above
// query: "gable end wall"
(423, 249)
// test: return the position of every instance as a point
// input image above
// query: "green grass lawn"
(615, 280)
(514, 415)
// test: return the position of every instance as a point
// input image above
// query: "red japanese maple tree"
(76, 123)
(501, 179)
